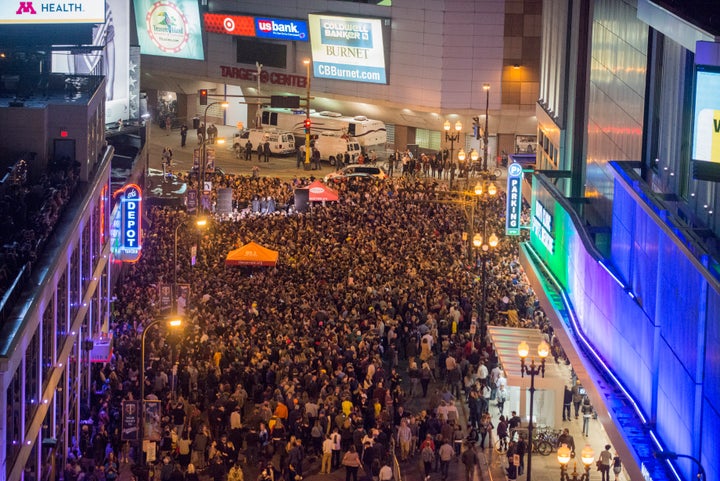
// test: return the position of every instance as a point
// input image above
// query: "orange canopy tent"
(252, 254)
(320, 192)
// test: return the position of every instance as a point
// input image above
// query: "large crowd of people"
(30, 206)
(357, 343)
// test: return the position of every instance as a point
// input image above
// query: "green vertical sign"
(514, 199)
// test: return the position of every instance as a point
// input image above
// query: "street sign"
(514, 199)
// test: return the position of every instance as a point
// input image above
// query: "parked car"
(357, 170)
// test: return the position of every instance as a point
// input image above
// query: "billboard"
(349, 48)
(261, 27)
(52, 11)
(169, 28)
(113, 61)
(706, 121)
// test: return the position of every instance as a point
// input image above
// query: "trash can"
(196, 122)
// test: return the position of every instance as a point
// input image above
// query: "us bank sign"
(125, 229)
(44, 11)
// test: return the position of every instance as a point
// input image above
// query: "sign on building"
(514, 199)
(126, 226)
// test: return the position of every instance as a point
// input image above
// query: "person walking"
(587, 411)
(351, 461)
(183, 134)
(470, 460)
(577, 397)
(427, 456)
(426, 375)
(567, 402)
(604, 462)
(446, 453)
(617, 466)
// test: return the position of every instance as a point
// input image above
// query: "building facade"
(623, 244)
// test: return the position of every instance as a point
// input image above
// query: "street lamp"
(486, 88)
(452, 138)
(200, 222)
(473, 158)
(669, 455)
(532, 370)
(587, 455)
(173, 323)
(201, 183)
(484, 192)
(308, 150)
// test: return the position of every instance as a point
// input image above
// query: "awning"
(320, 192)
(252, 254)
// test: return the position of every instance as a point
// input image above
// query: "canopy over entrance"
(549, 396)
(252, 254)
(320, 192)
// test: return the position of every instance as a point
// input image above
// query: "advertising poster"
(165, 298)
(130, 421)
(348, 48)
(48, 11)
(153, 427)
(169, 28)
(706, 138)
(191, 201)
(182, 298)
(261, 27)
(113, 33)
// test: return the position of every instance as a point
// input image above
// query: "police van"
(281, 142)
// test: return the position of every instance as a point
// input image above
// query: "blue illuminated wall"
(654, 343)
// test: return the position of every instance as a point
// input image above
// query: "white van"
(333, 146)
(281, 142)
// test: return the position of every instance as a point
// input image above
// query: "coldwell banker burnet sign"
(347, 48)
(40, 11)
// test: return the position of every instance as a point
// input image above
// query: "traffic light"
(308, 124)
(476, 127)
(203, 96)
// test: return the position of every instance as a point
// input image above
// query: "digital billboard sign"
(52, 11)
(349, 48)
(169, 28)
(261, 27)
(706, 122)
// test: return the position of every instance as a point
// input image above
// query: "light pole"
(462, 156)
(669, 455)
(484, 192)
(452, 138)
(201, 183)
(308, 150)
(532, 370)
(587, 455)
(201, 222)
(486, 88)
(174, 323)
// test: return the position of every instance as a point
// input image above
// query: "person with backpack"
(470, 460)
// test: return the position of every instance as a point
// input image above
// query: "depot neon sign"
(126, 228)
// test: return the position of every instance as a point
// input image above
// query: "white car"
(357, 170)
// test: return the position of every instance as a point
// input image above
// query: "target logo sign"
(229, 24)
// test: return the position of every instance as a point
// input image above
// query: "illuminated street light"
(452, 138)
(587, 457)
(532, 370)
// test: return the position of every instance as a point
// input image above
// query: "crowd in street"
(369, 310)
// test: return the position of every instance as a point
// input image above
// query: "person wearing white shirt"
(327, 450)
(386, 473)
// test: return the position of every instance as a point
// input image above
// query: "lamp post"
(201, 222)
(532, 370)
(174, 323)
(486, 88)
(669, 455)
(201, 183)
(484, 192)
(462, 156)
(452, 138)
(308, 150)
(587, 456)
